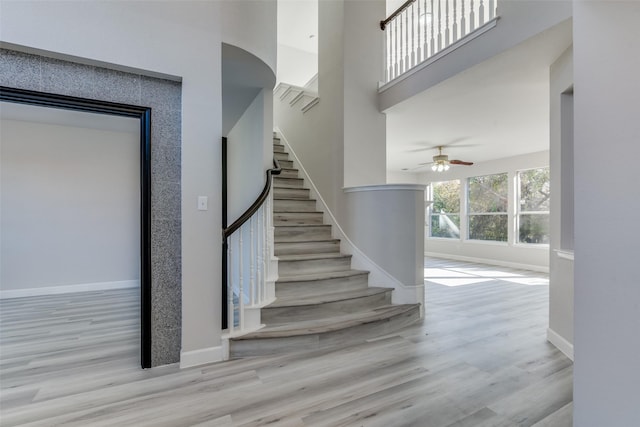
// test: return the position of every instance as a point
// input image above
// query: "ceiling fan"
(441, 162)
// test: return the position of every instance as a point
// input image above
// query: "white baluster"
(472, 17)
(240, 280)
(230, 281)
(455, 20)
(396, 25)
(447, 37)
(492, 9)
(252, 262)
(439, 25)
(265, 264)
(432, 44)
(481, 14)
(463, 21)
(386, 55)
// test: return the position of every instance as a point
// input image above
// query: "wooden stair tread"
(307, 257)
(320, 276)
(332, 324)
(303, 300)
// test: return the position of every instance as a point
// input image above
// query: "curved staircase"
(321, 301)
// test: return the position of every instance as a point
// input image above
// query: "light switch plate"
(203, 202)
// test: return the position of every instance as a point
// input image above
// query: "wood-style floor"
(479, 359)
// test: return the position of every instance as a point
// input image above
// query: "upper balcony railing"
(420, 29)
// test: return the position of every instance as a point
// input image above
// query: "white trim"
(490, 261)
(203, 356)
(561, 344)
(384, 187)
(402, 294)
(67, 289)
(311, 81)
(564, 254)
(444, 52)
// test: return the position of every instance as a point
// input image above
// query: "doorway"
(50, 241)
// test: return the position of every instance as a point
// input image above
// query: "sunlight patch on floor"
(471, 276)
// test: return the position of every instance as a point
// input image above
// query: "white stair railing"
(420, 29)
(250, 271)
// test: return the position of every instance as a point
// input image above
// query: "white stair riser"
(301, 234)
(286, 205)
(286, 164)
(279, 182)
(350, 283)
(278, 148)
(294, 248)
(348, 336)
(324, 310)
(286, 218)
(310, 266)
(291, 193)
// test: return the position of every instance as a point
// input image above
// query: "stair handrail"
(226, 232)
(398, 11)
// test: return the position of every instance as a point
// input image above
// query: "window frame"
(469, 214)
(518, 210)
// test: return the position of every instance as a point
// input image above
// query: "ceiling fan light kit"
(441, 162)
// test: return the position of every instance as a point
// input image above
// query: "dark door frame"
(144, 115)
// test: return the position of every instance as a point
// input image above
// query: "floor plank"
(479, 359)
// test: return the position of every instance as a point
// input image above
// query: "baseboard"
(561, 344)
(203, 356)
(531, 267)
(402, 294)
(67, 289)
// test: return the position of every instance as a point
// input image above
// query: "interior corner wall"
(561, 174)
(103, 39)
(606, 41)
(70, 206)
(246, 155)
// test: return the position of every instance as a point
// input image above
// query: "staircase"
(321, 302)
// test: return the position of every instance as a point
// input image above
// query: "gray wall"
(49, 75)
(606, 42)
(70, 205)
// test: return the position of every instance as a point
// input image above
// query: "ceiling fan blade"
(460, 162)
(425, 164)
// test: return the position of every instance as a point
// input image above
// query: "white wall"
(70, 206)
(402, 178)
(500, 253)
(606, 41)
(171, 38)
(245, 158)
(251, 25)
(561, 168)
(296, 66)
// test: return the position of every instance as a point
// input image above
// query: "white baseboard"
(203, 356)
(67, 289)
(562, 344)
(489, 261)
(402, 294)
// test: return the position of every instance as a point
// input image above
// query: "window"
(487, 207)
(445, 211)
(533, 209)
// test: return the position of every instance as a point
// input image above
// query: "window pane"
(488, 227)
(534, 228)
(534, 190)
(445, 226)
(488, 193)
(446, 197)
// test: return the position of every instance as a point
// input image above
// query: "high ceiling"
(298, 24)
(497, 109)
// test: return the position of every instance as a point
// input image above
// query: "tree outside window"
(488, 202)
(533, 206)
(445, 211)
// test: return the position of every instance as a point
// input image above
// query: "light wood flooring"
(479, 359)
